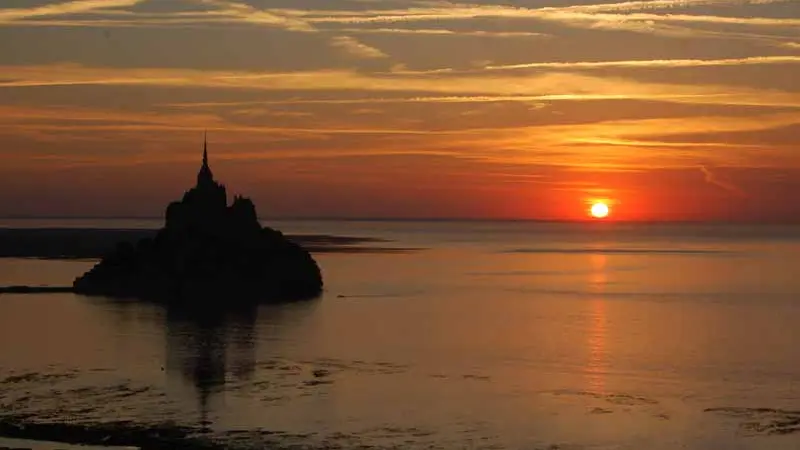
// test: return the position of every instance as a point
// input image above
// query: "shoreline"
(105, 436)
(94, 243)
(39, 444)
(20, 289)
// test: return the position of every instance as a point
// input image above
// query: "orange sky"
(667, 109)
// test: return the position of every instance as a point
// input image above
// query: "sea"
(451, 335)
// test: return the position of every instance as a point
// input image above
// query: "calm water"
(491, 335)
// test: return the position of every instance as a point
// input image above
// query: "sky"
(674, 110)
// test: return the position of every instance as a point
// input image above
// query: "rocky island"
(207, 253)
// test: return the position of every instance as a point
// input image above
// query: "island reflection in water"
(206, 348)
(214, 353)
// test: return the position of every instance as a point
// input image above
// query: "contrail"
(712, 179)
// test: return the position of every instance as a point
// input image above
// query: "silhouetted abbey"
(207, 252)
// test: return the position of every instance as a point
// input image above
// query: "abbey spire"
(205, 148)
(204, 176)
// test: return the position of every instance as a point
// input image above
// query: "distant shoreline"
(587, 220)
(94, 243)
(36, 290)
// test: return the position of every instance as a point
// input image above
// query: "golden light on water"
(596, 365)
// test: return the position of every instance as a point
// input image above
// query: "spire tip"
(205, 148)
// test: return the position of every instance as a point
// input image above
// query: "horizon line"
(446, 219)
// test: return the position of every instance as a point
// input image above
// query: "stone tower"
(203, 207)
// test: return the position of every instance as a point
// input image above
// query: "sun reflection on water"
(597, 363)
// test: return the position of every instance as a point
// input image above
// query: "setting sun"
(599, 210)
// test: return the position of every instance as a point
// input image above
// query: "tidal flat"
(496, 335)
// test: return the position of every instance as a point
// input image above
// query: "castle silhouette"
(204, 208)
(207, 253)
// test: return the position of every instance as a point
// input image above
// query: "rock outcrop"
(207, 253)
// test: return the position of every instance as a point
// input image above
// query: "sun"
(599, 210)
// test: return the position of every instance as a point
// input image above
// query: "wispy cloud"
(8, 15)
(640, 5)
(220, 11)
(620, 144)
(662, 63)
(652, 17)
(712, 178)
(556, 86)
(249, 14)
(352, 47)
(612, 12)
(445, 32)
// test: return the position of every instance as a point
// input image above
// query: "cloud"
(664, 63)
(222, 11)
(8, 15)
(633, 16)
(623, 21)
(556, 86)
(619, 144)
(445, 32)
(614, 12)
(66, 118)
(711, 178)
(249, 14)
(352, 47)
(638, 5)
